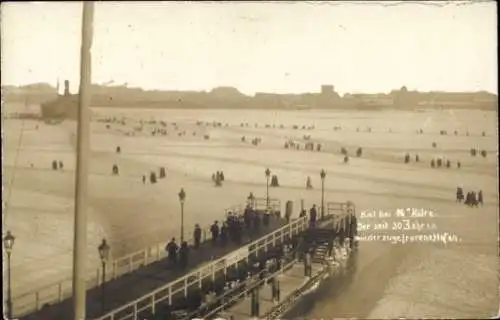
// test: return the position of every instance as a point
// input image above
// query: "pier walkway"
(160, 302)
(144, 279)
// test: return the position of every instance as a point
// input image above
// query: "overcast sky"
(270, 47)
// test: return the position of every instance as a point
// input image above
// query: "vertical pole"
(322, 199)
(103, 293)
(254, 303)
(182, 222)
(9, 292)
(267, 193)
(83, 148)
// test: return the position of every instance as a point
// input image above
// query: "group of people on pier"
(232, 229)
(177, 255)
(235, 226)
(258, 267)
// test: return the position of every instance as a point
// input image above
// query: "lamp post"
(104, 255)
(323, 175)
(8, 242)
(268, 174)
(182, 198)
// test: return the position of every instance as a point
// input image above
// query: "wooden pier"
(291, 279)
(145, 270)
(183, 289)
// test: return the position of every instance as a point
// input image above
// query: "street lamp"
(182, 198)
(104, 255)
(323, 175)
(8, 242)
(268, 173)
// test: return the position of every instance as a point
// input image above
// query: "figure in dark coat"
(460, 194)
(197, 236)
(308, 183)
(303, 213)
(359, 152)
(152, 177)
(172, 251)
(247, 216)
(468, 199)
(214, 229)
(474, 199)
(313, 216)
(163, 173)
(183, 255)
(224, 233)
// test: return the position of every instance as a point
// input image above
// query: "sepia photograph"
(178, 160)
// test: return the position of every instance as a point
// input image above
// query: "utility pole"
(82, 166)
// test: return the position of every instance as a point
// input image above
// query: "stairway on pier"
(318, 239)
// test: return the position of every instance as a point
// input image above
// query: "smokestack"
(66, 87)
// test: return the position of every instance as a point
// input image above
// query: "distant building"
(63, 107)
(326, 90)
(374, 100)
(226, 93)
(437, 99)
(328, 96)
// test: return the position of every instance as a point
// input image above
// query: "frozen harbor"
(133, 215)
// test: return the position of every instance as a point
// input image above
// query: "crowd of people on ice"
(471, 199)
(218, 178)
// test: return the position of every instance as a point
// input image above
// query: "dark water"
(328, 290)
(425, 282)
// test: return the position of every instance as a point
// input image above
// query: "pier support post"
(275, 289)
(307, 264)
(254, 305)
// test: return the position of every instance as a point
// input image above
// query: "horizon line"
(125, 85)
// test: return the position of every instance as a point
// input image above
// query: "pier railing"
(236, 294)
(148, 302)
(259, 204)
(58, 291)
(273, 205)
